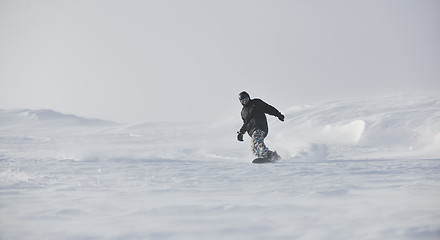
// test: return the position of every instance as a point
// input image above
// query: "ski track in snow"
(352, 169)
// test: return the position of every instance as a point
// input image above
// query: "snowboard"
(262, 160)
(274, 158)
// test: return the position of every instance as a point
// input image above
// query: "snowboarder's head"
(244, 98)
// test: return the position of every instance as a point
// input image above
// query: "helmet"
(244, 97)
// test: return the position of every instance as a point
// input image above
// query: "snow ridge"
(27, 116)
(402, 126)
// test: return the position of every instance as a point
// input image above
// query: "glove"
(240, 136)
(281, 117)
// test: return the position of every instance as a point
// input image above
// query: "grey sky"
(136, 61)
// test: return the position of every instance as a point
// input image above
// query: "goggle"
(244, 100)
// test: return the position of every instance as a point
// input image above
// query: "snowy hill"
(406, 125)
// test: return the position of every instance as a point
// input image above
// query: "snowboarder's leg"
(258, 147)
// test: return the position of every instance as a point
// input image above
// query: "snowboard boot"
(273, 156)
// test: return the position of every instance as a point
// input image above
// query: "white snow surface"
(351, 169)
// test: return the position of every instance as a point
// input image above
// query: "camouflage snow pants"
(258, 147)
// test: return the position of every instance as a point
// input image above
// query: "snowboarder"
(255, 124)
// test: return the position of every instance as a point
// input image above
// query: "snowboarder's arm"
(243, 128)
(271, 110)
(241, 132)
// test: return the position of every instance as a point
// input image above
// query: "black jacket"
(253, 115)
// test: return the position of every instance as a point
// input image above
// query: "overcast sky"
(138, 61)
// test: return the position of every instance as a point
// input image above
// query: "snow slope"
(351, 169)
